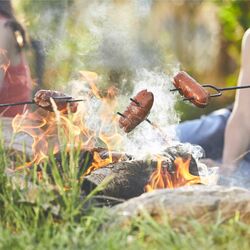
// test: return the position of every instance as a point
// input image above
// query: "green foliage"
(234, 16)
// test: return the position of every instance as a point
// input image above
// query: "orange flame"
(98, 162)
(161, 178)
(46, 129)
(91, 78)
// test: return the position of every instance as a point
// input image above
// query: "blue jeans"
(208, 132)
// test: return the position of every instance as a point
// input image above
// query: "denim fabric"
(208, 132)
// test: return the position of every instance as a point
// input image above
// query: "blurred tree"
(234, 16)
(50, 22)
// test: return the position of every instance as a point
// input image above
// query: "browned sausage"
(42, 99)
(191, 89)
(137, 111)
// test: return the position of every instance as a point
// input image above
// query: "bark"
(127, 179)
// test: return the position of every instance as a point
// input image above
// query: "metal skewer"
(62, 97)
(136, 102)
(147, 120)
(16, 104)
(173, 90)
(219, 90)
(227, 88)
(67, 100)
(120, 114)
(75, 100)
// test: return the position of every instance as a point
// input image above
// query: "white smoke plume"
(120, 30)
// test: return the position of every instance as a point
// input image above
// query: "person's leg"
(208, 132)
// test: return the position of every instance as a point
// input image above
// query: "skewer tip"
(136, 102)
(120, 114)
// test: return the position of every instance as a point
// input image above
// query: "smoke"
(146, 138)
(120, 29)
(124, 45)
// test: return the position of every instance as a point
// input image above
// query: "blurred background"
(115, 38)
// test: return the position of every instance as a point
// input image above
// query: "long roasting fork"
(67, 99)
(219, 90)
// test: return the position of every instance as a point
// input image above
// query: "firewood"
(128, 178)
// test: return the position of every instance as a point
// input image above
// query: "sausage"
(42, 99)
(190, 88)
(137, 111)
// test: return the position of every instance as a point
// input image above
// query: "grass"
(43, 215)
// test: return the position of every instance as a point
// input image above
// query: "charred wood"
(128, 178)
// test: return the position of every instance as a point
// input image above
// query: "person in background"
(237, 132)
(15, 79)
(225, 133)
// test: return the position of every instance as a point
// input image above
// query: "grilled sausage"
(191, 89)
(137, 111)
(42, 99)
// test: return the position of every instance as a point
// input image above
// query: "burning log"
(204, 203)
(87, 160)
(128, 179)
(132, 178)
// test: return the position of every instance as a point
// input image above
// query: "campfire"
(180, 176)
(55, 129)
